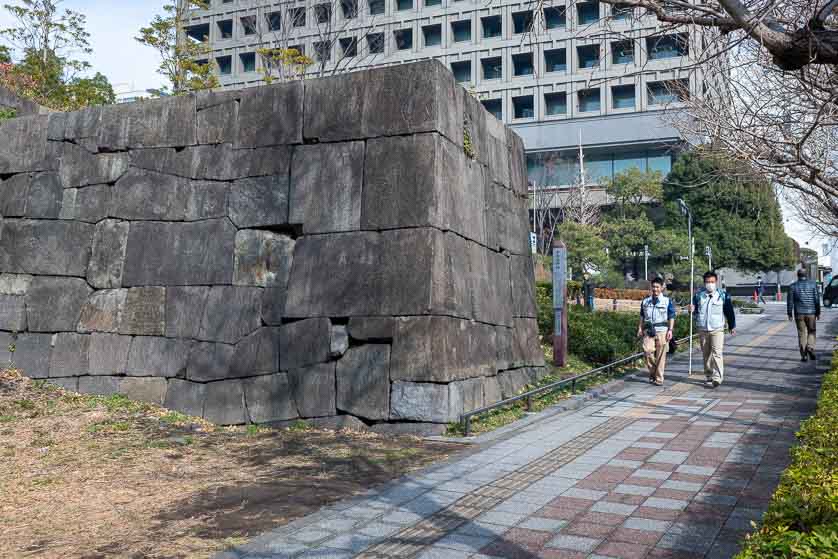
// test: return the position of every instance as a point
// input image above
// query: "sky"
(113, 24)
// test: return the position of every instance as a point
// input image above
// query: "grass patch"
(802, 519)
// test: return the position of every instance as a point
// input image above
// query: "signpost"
(559, 304)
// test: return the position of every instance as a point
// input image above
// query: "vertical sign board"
(559, 304)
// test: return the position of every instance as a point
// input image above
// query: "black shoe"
(804, 357)
(716, 384)
(812, 355)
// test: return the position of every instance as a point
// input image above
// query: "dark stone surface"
(363, 381)
(209, 361)
(12, 313)
(151, 390)
(34, 195)
(31, 355)
(413, 401)
(69, 357)
(186, 397)
(271, 115)
(371, 327)
(24, 148)
(215, 162)
(257, 354)
(54, 304)
(107, 259)
(108, 354)
(216, 314)
(90, 204)
(56, 248)
(263, 259)
(218, 116)
(269, 398)
(224, 403)
(259, 201)
(197, 253)
(522, 275)
(146, 195)
(103, 386)
(168, 121)
(524, 351)
(145, 312)
(304, 342)
(314, 389)
(103, 311)
(160, 357)
(79, 167)
(465, 395)
(511, 382)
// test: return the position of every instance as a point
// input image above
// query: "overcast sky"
(113, 24)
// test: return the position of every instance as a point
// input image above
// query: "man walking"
(657, 320)
(588, 291)
(711, 308)
(804, 306)
(760, 290)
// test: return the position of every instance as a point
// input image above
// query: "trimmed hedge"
(802, 519)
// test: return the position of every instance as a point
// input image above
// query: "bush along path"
(678, 471)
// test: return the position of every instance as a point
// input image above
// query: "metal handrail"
(465, 419)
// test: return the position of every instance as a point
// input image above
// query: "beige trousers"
(712, 346)
(807, 325)
(655, 348)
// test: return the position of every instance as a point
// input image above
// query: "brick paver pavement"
(678, 471)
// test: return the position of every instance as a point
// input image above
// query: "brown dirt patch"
(89, 477)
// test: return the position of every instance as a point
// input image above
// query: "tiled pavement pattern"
(672, 472)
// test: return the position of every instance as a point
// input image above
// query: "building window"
(589, 101)
(375, 43)
(561, 168)
(404, 39)
(349, 47)
(297, 50)
(622, 96)
(555, 60)
(323, 13)
(225, 65)
(492, 26)
(249, 25)
(322, 51)
(522, 64)
(588, 56)
(522, 21)
(492, 68)
(668, 46)
(587, 12)
(404, 4)
(225, 29)
(523, 106)
(555, 103)
(621, 11)
(631, 160)
(432, 35)
(248, 60)
(274, 21)
(622, 52)
(377, 7)
(555, 18)
(673, 91)
(297, 17)
(494, 106)
(461, 71)
(198, 33)
(349, 8)
(461, 30)
(432, 3)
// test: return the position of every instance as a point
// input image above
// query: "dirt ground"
(90, 477)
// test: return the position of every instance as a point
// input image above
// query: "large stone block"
(14, 284)
(12, 313)
(218, 116)
(209, 361)
(69, 356)
(526, 349)
(491, 390)
(464, 396)
(151, 390)
(442, 349)
(25, 148)
(517, 163)
(273, 305)
(259, 201)
(397, 100)
(326, 181)
(103, 311)
(506, 220)
(271, 116)
(215, 314)
(90, 204)
(57, 248)
(224, 403)
(197, 253)
(363, 381)
(269, 398)
(339, 341)
(153, 123)
(215, 162)
(107, 260)
(372, 328)
(314, 389)
(263, 259)
(489, 285)
(103, 386)
(511, 382)
(305, 342)
(108, 354)
(522, 276)
(146, 195)
(412, 401)
(70, 384)
(145, 312)
(186, 397)
(54, 304)
(257, 354)
(31, 353)
(35, 195)
(78, 167)
(158, 357)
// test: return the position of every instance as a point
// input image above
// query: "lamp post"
(708, 252)
(685, 210)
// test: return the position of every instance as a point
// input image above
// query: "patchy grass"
(93, 476)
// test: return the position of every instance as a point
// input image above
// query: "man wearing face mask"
(712, 307)
(657, 319)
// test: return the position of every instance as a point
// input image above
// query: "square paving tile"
(465, 543)
(636, 523)
(630, 489)
(588, 529)
(621, 550)
(543, 524)
(640, 537)
(574, 543)
(588, 494)
(502, 518)
(660, 503)
(670, 457)
(613, 508)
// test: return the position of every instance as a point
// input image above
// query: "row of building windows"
(590, 100)
(561, 168)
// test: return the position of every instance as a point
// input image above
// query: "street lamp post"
(708, 252)
(685, 210)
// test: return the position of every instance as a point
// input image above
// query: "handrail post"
(529, 403)
(467, 428)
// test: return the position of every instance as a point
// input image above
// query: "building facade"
(585, 70)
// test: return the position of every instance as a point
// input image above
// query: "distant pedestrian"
(711, 308)
(760, 290)
(657, 321)
(804, 306)
(588, 290)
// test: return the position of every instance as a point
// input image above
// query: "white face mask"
(711, 287)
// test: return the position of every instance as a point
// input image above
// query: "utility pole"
(685, 210)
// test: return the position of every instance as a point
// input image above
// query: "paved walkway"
(678, 471)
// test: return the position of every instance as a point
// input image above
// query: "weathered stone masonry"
(306, 250)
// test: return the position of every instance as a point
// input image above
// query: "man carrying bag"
(657, 321)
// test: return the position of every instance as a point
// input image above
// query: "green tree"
(5, 55)
(632, 188)
(585, 247)
(180, 55)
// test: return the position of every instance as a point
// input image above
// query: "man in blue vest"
(657, 320)
(804, 303)
(711, 308)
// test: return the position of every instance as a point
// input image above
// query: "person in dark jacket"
(804, 306)
(588, 291)
(712, 307)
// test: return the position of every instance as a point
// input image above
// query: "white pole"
(646, 262)
(692, 279)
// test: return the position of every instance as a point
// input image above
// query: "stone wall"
(316, 249)
(22, 107)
